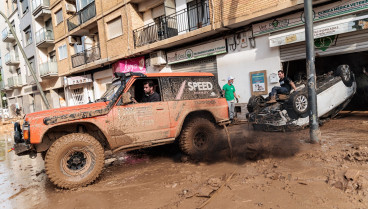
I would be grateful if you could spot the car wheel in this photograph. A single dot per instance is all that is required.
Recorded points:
(254, 103)
(197, 136)
(299, 103)
(74, 160)
(345, 73)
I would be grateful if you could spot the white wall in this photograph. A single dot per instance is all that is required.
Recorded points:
(244, 60)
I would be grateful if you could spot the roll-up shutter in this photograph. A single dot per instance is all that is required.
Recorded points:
(207, 64)
(345, 43)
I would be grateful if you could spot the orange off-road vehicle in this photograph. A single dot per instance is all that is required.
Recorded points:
(73, 140)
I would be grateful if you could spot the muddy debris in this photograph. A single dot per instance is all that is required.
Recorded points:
(359, 153)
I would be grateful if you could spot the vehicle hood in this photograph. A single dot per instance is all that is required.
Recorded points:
(66, 110)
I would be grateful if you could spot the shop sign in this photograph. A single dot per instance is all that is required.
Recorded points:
(136, 64)
(79, 79)
(321, 13)
(325, 30)
(196, 52)
(325, 42)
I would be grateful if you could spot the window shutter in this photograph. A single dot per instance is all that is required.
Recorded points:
(114, 28)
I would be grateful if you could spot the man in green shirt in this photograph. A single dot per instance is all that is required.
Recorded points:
(230, 95)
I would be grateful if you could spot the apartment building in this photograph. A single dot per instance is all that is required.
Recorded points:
(95, 38)
(31, 20)
(89, 40)
(13, 74)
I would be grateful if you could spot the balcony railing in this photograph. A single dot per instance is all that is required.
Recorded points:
(86, 56)
(44, 35)
(11, 58)
(2, 85)
(7, 35)
(48, 69)
(82, 16)
(165, 27)
(39, 4)
(15, 81)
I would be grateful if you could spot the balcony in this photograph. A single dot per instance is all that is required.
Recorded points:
(48, 69)
(11, 59)
(165, 27)
(44, 38)
(7, 36)
(15, 82)
(86, 56)
(41, 9)
(82, 16)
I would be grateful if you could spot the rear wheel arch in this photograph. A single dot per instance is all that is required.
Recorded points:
(191, 115)
(54, 133)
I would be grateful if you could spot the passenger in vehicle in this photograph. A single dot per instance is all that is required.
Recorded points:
(149, 92)
(285, 87)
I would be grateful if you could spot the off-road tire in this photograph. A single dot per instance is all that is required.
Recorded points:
(197, 137)
(346, 75)
(59, 160)
(254, 103)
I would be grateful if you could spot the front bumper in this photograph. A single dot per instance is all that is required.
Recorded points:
(22, 149)
(21, 146)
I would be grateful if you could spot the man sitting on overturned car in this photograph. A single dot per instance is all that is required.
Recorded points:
(149, 93)
(285, 87)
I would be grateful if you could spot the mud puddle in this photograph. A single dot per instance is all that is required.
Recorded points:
(268, 170)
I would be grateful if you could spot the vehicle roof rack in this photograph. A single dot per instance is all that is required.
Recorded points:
(128, 74)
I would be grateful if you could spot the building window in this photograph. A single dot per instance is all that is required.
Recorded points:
(18, 71)
(24, 6)
(28, 35)
(59, 16)
(32, 63)
(62, 52)
(114, 28)
(52, 56)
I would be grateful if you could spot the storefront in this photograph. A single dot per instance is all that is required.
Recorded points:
(200, 58)
(101, 81)
(341, 37)
(79, 89)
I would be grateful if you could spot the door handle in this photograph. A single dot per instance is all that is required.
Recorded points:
(159, 108)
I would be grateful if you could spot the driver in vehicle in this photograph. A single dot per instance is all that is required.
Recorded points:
(285, 87)
(149, 93)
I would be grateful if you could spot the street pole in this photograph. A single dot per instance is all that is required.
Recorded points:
(26, 60)
(1, 106)
(311, 72)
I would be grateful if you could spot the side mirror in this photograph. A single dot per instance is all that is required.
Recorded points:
(126, 98)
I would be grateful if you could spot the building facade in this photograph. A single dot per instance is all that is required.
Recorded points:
(81, 43)
(32, 23)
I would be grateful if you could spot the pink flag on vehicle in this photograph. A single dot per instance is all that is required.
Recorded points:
(136, 64)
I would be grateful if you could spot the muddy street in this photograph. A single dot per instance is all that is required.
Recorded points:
(268, 170)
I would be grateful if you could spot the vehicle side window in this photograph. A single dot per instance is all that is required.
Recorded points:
(139, 93)
(190, 88)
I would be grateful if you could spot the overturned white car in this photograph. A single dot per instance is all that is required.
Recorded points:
(334, 92)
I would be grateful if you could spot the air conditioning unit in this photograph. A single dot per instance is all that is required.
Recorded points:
(74, 40)
(70, 8)
(158, 58)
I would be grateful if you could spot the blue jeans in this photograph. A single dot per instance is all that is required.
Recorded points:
(278, 90)
(231, 105)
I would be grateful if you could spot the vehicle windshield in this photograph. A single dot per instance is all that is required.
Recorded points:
(110, 92)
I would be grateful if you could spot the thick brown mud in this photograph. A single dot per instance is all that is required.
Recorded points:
(268, 170)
